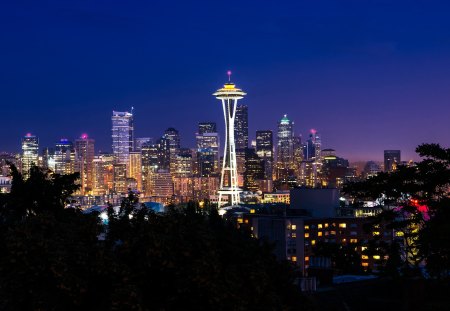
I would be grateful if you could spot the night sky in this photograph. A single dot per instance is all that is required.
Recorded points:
(368, 75)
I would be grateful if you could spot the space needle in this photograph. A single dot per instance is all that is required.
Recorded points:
(229, 95)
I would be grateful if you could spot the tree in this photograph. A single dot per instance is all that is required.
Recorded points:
(41, 192)
(51, 257)
(415, 203)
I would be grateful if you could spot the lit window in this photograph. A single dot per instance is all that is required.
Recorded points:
(399, 233)
(376, 233)
(306, 227)
(313, 242)
(246, 221)
(353, 240)
(333, 232)
(364, 257)
(363, 248)
(344, 240)
(319, 226)
(306, 258)
(252, 211)
(240, 220)
(251, 228)
(319, 233)
(294, 258)
(294, 235)
(306, 235)
(343, 225)
(326, 225)
(294, 227)
(376, 257)
(365, 264)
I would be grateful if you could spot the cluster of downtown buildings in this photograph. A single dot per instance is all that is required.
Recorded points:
(163, 171)
(290, 184)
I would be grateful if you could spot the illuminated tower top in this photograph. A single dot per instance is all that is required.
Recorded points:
(229, 90)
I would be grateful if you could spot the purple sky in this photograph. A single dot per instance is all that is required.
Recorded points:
(368, 75)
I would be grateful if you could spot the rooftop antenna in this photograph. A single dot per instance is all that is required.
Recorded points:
(229, 75)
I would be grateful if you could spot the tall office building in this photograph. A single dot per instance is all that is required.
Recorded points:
(264, 149)
(229, 96)
(312, 159)
(254, 170)
(183, 163)
(392, 158)
(207, 145)
(135, 169)
(171, 140)
(30, 156)
(122, 135)
(64, 157)
(84, 148)
(285, 147)
(241, 127)
(120, 185)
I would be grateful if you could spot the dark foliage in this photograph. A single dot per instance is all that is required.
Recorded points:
(415, 202)
(61, 259)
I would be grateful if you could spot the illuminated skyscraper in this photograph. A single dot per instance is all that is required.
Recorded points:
(207, 145)
(135, 169)
(392, 158)
(84, 148)
(30, 156)
(254, 170)
(285, 147)
(229, 96)
(122, 135)
(264, 149)
(171, 141)
(64, 157)
(241, 127)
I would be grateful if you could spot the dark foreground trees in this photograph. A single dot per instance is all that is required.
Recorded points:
(52, 259)
(415, 203)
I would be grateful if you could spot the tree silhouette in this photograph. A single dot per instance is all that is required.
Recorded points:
(51, 257)
(415, 203)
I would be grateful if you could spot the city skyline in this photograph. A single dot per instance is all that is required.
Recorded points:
(365, 85)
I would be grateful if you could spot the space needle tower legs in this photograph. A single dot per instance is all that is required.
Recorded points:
(229, 96)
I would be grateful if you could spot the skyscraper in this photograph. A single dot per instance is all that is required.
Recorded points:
(207, 145)
(264, 149)
(254, 170)
(229, 96)
(171, 146)
(241, 127)
(135, 169)
(122, 136)
(30, 156)
(392, 158)
(64, 157)
(84, 148)
(285, 147)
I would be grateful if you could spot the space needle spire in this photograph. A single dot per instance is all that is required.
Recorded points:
(229, 96)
